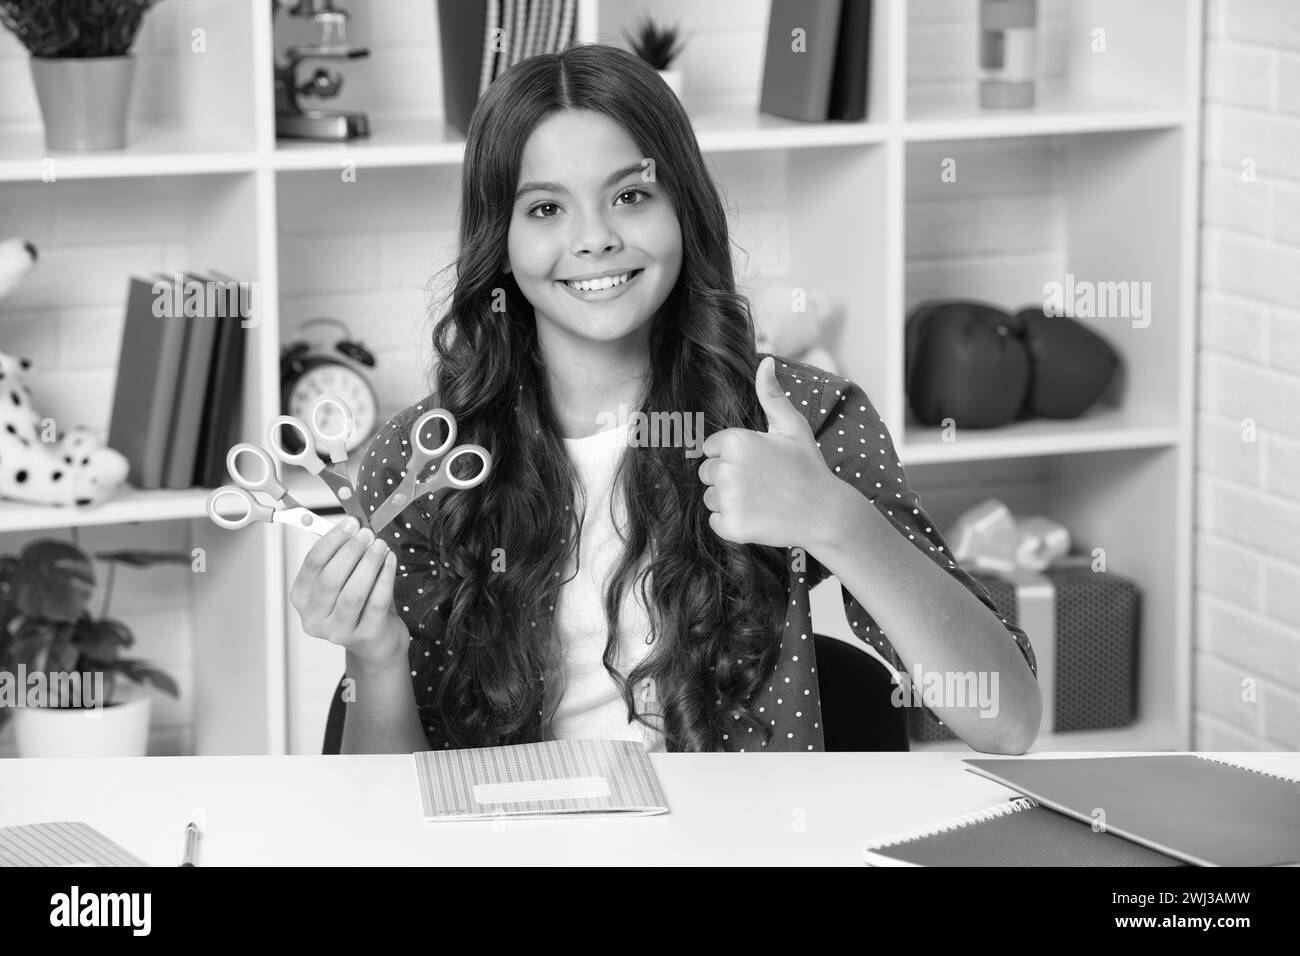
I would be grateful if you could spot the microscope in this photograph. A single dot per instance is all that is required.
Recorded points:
(292, 120)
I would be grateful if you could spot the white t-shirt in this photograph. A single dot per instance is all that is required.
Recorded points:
(590, 704)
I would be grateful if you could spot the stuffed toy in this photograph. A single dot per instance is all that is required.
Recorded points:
(71, 469)
(782, 329)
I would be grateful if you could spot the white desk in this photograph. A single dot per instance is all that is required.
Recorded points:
(746, 809)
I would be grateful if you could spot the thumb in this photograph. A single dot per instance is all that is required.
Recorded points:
(782, 417)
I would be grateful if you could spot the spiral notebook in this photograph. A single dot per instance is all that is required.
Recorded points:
(553, 778)
(1162, 810)
(1200, 809)
(1017, 833)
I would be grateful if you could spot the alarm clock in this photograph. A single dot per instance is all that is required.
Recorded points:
(310, 367)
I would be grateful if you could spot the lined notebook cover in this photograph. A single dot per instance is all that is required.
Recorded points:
(148, 368)
(518, 18)
(548, 779)
(1017, 833)
(64, 843)
(797, 84)
(1197, 808)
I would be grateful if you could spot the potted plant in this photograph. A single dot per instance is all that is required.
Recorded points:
(69, 690)
(81, 65)
(659, 46)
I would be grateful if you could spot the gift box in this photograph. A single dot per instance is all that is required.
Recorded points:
(1083, 623)
(1094, 675)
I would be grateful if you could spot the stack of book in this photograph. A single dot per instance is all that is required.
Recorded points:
(176, 407)
(815, 67)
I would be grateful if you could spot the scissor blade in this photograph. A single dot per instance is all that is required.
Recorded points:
(304, 519)
(397, 502)
(346, 495)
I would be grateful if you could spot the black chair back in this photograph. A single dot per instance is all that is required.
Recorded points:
(858, 712)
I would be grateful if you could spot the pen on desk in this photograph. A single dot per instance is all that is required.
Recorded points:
(191, 844)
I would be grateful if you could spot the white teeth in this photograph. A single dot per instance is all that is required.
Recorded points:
(594, 285)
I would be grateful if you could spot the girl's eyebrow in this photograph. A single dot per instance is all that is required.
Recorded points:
(558, 188)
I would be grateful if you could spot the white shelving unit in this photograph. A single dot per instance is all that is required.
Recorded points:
(1118, 133)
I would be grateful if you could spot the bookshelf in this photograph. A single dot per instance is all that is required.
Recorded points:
(1100, 179)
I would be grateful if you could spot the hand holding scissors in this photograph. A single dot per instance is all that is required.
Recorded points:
(344, 594)
(313, 437)
(409, 488)
(295, 515)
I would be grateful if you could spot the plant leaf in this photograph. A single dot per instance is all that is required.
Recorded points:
(145, 673)
(7, 565)
(75, 28)
(100, 641)
(63, 654)
(53, 580)
(31, 644)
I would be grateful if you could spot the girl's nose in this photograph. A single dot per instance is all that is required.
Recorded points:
(595, 246)
(595, 235)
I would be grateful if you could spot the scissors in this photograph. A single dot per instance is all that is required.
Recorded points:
(312, 436)
(294, 515)
(409, 488)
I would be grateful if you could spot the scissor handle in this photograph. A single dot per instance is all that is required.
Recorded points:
(421, 455)
(307, 458)
(265, 480)
(334, 445)
(444, 478)
(253, 509)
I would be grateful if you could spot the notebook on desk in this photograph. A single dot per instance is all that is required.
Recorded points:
(1017, 833)
(553, 778)
(1199, 809)
(65, 843)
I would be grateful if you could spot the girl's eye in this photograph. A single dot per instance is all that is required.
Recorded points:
(631, 191)
(634, 191)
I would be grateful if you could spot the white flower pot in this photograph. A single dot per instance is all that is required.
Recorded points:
(84, 100)
(674, 79)
(118, 730)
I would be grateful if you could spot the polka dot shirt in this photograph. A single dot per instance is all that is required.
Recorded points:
(855, 445)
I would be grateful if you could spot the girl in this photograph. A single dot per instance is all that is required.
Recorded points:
(602, 582)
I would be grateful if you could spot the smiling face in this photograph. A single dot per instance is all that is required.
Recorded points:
(582, 209)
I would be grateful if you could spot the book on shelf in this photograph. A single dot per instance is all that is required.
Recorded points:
(148, 369)
(224, 402)
(191, 391)
(179, 379)
(481, 40)
(816, 60)
(802, 37)
(848, 96)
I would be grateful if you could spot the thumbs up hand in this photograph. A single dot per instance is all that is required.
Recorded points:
(769, 488)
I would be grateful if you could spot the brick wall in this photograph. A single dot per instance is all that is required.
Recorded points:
(1247, 664)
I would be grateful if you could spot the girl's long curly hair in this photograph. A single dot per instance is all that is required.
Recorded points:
(715, 607)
